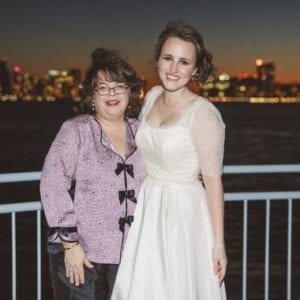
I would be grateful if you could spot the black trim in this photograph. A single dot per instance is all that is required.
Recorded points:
(133, 137)
(125, 195)
(62, 232)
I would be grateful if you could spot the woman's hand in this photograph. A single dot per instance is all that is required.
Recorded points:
(219, 261)
(75, 261)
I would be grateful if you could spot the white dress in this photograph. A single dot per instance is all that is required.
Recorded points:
(168, 253)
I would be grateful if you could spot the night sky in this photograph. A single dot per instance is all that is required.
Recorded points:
(43, 35)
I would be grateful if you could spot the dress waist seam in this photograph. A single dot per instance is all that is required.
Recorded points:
(171, 181)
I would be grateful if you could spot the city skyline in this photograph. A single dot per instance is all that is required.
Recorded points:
(38, 36)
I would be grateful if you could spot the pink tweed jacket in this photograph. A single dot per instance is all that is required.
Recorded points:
(106, 188)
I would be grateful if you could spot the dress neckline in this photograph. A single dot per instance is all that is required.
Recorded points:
(170, 125)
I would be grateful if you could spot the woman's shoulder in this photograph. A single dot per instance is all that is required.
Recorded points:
(84, 118)
(75, 123)
(78, 120)
(133, 124)
(153, 93)
(202, 113)
(133, 121)
(204, 106)
(150, 97)
(154, 89)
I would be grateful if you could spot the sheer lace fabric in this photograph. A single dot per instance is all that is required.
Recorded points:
(207, 129)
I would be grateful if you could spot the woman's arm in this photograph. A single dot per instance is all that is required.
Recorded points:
(215, 202)
(208, 131)
(57, 176)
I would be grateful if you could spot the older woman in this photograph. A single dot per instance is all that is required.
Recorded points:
(94, 155)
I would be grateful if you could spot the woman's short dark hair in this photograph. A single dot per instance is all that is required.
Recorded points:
(113, 68)
(187, 33)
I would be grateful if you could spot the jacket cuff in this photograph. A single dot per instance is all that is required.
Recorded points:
(62, 234)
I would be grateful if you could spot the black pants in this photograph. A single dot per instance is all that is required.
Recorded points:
(98, 283)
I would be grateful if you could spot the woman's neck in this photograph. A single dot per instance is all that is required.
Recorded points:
(171, 98)
(110, 122)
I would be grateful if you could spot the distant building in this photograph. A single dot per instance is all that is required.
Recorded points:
(5, 80)
(266, 77)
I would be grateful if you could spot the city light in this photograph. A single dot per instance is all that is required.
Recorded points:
(16, 69)
(53, 72)
(259, 62)
(224, 76)
(244, 76)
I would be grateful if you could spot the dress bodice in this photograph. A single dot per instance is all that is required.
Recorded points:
(170, 152)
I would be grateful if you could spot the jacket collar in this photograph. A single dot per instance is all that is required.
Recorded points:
(130, 140)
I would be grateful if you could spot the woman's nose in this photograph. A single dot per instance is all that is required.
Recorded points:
(111, 91)
(174, 67)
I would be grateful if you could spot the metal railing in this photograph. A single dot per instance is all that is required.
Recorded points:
(13, 209)
(290, 196)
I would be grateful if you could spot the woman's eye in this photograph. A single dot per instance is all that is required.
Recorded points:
(167, 58)
(184, 62)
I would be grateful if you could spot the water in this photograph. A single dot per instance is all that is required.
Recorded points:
(255, 134)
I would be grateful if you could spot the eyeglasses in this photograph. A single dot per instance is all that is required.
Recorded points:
(103, 89)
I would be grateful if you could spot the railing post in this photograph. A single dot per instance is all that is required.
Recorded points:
(245, 247)
(39, 255)
(13, 255)
(267, 249)
(289, 250)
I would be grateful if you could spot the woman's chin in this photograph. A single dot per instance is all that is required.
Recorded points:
(173, 86)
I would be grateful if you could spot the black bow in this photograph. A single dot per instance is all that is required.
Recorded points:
(127, 220)
(127, 194)
(127, 168)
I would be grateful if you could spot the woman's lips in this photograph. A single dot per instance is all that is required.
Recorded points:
(112, 102)
(172, 77)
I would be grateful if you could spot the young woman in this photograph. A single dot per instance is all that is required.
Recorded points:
(175, 248)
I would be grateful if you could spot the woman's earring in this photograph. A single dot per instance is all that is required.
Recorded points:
(93, 106)
(128, 111)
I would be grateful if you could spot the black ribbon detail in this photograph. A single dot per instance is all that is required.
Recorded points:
(127, 194)
(126, 167)
(127, 220)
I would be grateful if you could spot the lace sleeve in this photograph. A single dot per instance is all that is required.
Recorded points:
(208, 133)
